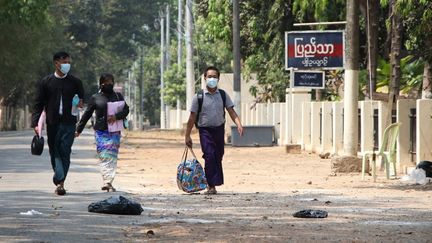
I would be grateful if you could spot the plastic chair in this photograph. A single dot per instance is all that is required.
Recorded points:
(387, 151)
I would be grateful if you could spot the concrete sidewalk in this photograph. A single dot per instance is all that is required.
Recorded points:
(26, 184)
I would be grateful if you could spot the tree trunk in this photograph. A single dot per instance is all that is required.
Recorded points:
(318, 94)
(373, 10)
(162, 71)
(395, 58)
(351, 79)
(237, 56)
(396, 44)
(11, 118)
(190, 69)
(427, 80)
(387, 45)
(427, 75)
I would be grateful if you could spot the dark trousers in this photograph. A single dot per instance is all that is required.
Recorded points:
(60, 140)
(212, 146)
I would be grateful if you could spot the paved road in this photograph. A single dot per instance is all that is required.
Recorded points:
(359, 211)
(26, 184)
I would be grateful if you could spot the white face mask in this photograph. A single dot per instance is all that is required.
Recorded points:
(212, 82)
(65, 67)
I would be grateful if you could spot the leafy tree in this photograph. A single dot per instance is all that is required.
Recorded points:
(267, 60)
(418, 25)
(175, 86)
(212, 48)
(30, 12)
(106, 35)
(411, 73)
(101, 36)
(152, 84)
(26, 26)
(334, 84)
(262, 38)
(319, 10)
(23, 25)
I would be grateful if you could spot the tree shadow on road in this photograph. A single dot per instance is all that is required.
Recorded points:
(400, 186)
(268, 217)
(228, 217)
(63, 218)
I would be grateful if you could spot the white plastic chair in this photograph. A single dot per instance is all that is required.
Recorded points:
(387, 151)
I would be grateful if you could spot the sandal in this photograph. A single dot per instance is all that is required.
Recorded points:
(107, 187)
(211, 191)
(60, 190)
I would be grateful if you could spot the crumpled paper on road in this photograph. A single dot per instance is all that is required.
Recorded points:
(31, 212)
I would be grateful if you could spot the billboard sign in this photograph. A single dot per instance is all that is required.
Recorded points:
(309, 79)
(314, 49)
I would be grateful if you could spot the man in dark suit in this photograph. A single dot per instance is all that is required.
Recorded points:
(59, 94)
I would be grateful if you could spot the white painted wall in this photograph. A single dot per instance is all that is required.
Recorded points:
(307, 114)
(382, 120)
(276, 119)
(315, 126)
(288, 119)
(424, 131)
(337, 117)
(299, 97)
(306, 126)
(326, 127)
(367, 128)
(403, 156)
(283, 127)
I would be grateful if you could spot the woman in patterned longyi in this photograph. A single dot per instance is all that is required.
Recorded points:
(107, 143)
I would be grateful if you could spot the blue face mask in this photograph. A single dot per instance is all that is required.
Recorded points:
(212, 82)
(65, 67)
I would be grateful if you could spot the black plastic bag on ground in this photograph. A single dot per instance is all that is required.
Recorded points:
(116, 205)
(309, 213)
(426, 166)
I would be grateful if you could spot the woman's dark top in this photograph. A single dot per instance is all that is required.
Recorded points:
(98, 102)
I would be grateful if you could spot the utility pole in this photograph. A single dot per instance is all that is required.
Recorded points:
(237, 57)
(162, 103)
(179, 57)
(167, 60)
(127, 85)
(141, 87)
(351, 79)
(129, 95)
(179, 33)
(190, 76)
(135, 99)
(168, 38)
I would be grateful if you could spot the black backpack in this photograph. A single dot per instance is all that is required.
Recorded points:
(200, 96)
